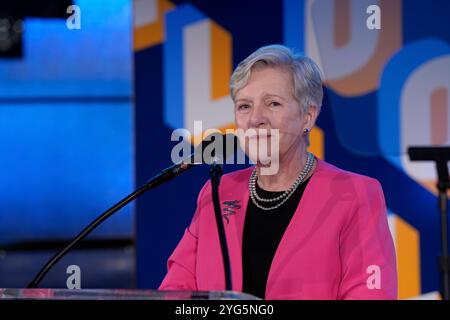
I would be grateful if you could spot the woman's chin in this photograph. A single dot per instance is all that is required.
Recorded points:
(261, 161)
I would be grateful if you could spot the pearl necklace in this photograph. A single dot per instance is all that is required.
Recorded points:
(287, 194)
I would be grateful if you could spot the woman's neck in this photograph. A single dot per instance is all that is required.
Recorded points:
(289, 168)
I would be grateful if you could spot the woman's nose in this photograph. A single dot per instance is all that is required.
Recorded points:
(258, 117)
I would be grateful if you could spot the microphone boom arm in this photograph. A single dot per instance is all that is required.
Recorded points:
(165, 175)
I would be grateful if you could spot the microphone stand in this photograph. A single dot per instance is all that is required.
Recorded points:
(444, 261)
(440, 155)
(165, 175)
(215, 174)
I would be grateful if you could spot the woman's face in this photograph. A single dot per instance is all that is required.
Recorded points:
(267, 102)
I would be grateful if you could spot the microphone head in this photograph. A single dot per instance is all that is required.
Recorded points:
(424, 153)
(216, 147)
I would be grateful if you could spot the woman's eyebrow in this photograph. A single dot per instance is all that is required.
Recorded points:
(264, 96)
(268, 95)
(243, 100)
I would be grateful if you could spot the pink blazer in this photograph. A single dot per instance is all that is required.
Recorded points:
(337, 245)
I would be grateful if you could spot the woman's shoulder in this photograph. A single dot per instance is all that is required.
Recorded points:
(329, 172)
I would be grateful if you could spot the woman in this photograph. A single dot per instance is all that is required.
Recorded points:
(308, 230)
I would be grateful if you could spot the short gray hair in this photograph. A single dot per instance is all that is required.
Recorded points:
(306, 75)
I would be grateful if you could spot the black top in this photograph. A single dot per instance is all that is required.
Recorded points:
(263, 231)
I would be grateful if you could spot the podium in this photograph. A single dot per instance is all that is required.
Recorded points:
(119, 294)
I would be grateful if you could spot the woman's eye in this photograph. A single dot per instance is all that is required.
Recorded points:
(274, 104)
(243, 107)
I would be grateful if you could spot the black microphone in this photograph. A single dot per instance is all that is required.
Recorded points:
(219, 147)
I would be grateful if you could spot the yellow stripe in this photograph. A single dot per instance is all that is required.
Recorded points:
(317, 142)
(152, 34)
(407, 241)
(221, 61)
(147, 36)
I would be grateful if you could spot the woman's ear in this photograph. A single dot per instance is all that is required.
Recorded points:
(311, 117)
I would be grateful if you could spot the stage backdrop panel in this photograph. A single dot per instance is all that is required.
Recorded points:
(386, 89)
